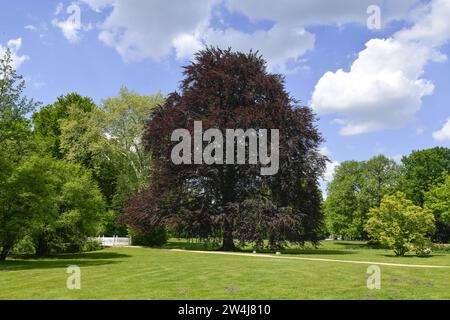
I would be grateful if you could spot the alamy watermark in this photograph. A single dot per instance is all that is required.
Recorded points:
(374, 279)
(374, 20)
(74, 280)
(223, 146)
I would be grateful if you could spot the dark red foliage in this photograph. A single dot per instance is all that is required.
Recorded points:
(228, 90)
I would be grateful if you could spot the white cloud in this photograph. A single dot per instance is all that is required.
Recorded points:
(329, 172)
(157, 29)
(14, 45)
(331, 166)
(59, 8)
(320, 12)
(444, 133)
(153, 29)
(31, 27)
(384, 86)
(294, 41)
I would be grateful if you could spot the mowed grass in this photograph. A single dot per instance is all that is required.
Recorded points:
(142, 273)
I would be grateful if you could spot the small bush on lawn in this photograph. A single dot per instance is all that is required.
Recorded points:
(155, 238)
(92, 245)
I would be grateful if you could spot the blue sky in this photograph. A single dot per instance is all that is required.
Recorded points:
(391, 96)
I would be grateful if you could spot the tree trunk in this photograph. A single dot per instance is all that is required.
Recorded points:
(228, 241)
(42, 249)
(4, 253)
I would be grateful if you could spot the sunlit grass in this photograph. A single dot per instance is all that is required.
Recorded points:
(141, 273)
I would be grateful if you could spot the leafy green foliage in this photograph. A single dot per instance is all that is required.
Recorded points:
(123, 121)
(422, 170)
(357, 187)
(26, 199)
(437, 199)
(400, 225)
(56, 202)
(79, 208)
(47, 121)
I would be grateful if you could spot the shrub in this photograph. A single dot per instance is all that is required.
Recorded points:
(401, 225)
(92, 245)
(155, 238)
(24, 247)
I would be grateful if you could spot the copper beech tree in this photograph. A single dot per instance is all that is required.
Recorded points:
(228, 90)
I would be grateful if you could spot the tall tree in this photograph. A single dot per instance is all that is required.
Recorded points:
(47, 121)
(107, 140)
(123, 120)
(355, 189)
(15, 134)
(25, 199)
(437, 199)
(16, 144)
(228, 90)
(342, 207)
(423, 169)
(380, 176)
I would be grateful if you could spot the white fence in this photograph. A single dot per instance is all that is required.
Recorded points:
(113, 241)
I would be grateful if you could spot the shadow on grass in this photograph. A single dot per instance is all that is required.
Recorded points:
(61, 261)
(409, 256)
(298, 251)
(198, 246)
(186, 245)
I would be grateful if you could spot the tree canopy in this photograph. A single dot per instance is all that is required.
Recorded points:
(229, 90)
(356, 187)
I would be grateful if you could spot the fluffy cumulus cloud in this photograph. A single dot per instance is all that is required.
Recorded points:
(157, 29)
(14, 45)
(153, 29)
(384, 87)
(444, 133)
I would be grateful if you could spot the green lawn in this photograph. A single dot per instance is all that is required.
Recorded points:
(140, 273)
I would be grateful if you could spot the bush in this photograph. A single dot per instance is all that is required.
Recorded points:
(156, 238)
(401, 225)
(92, 245)
(423, 249)
(24, 247)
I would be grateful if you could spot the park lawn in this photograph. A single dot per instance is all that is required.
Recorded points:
(142, 273)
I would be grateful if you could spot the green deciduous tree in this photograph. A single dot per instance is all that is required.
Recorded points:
(437, 199)
(400, 225)
(422, 170)
(15, 134)
(357, 187)
(124, 119)
(79, 208)
(107, 140)
(341, 208)
(56, 202)
(46, 122)
(26, 197)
